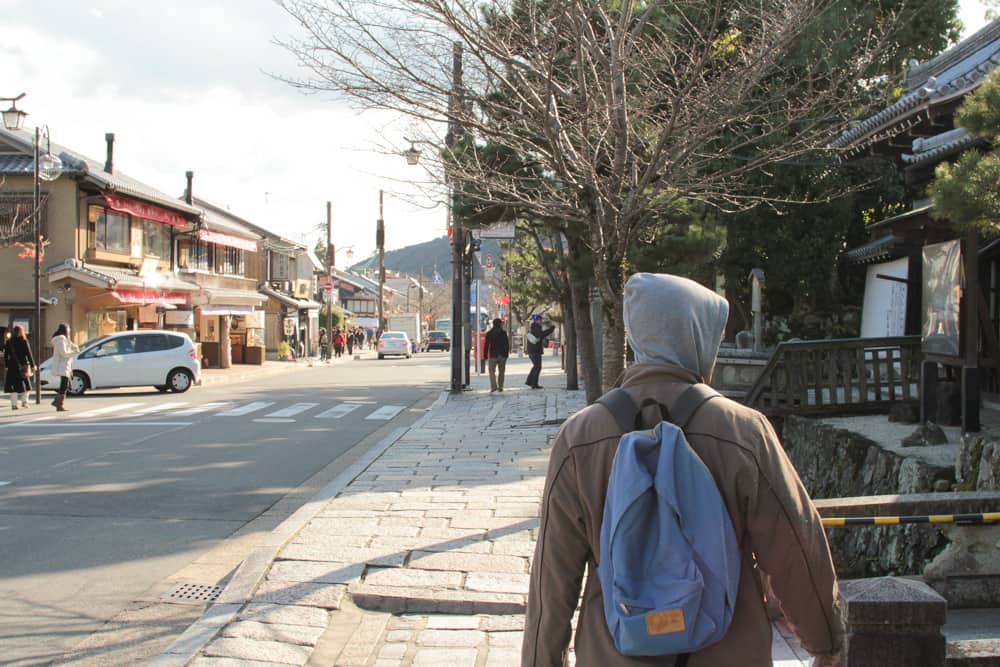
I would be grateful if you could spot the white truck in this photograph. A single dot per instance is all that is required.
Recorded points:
(408, 322)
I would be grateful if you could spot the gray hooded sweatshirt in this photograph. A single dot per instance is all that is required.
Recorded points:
(675, 327)
(661, 330)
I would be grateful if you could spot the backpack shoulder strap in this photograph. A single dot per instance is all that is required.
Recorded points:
(689, 401)
(622, 408)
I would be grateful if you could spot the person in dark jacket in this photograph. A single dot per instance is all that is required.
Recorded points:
(536, 346)
(496, 350)
(19, 363)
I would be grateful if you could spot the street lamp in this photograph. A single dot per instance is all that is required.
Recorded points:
(47, 167)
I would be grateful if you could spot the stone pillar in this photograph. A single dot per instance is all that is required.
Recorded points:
(892, 621)
(225, 351)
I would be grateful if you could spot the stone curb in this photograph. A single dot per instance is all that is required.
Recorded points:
(252, 570)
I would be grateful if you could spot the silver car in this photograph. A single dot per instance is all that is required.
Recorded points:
(394, 342)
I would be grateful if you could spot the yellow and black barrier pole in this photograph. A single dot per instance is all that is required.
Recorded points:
(982, 517)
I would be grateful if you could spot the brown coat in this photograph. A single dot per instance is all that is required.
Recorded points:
(775, 522)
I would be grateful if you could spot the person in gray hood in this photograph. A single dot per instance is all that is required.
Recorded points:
(674, 327)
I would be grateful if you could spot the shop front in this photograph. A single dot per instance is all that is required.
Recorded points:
(295, 321)
(229, 327)
(98, 300)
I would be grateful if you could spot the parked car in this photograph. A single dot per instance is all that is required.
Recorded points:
(438, 340)
(394, 342)
(166, 360)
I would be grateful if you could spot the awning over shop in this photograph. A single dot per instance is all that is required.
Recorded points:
(228, 240)
(149, 297)
(98, 275)
(290, 301)
(226, 310)
(141, 209)
(216, 296)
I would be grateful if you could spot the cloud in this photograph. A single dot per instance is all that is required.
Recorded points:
(180, 85)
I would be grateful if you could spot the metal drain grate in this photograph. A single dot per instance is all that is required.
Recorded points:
(194, 593)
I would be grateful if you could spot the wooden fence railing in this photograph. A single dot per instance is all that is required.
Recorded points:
(838, 376)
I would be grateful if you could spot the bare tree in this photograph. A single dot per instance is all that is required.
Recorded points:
(601, 115)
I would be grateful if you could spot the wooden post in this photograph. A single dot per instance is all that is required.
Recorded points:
(970, 317)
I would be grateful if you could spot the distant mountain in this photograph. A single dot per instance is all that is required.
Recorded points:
(423, 256)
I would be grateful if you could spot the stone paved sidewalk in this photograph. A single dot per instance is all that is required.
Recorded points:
(421, 557)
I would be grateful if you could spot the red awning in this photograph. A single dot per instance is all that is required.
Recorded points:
(149, 297)
(225, 239)
(143, 210)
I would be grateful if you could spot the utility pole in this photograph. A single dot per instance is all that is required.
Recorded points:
(458, 241)
(329, 273)
(380, 243)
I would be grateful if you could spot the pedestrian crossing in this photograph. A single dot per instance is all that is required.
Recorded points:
(256, 411)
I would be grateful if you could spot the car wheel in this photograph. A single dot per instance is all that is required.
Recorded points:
(161, 388)
(381, 356)
(78, 384)
(179, 380)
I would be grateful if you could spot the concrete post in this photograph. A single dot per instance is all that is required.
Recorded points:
(892, 621)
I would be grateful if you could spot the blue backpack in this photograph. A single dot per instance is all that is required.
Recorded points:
(670, 562)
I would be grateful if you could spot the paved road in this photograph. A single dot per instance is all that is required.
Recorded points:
(132, 494)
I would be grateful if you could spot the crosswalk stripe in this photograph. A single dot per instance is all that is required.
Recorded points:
(202, 408)
(103, 411)
(386, 412)
(292, 410)
(246, 409)
(160, 407)
(338, 411)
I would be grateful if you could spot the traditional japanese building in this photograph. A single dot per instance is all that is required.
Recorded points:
(926, 276)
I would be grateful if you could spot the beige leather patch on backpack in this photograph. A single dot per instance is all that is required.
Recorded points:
(666, 621)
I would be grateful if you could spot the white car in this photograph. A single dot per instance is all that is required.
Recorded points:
(166, 360)
(394, 342)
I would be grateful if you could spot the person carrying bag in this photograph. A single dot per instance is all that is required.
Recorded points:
(20, 367)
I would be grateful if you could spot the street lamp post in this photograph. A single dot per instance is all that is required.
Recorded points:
(380, 244)
(46, 168)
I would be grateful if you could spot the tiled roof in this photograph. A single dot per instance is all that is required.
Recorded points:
(17, 164)
(951, 74)
(873, 251)
(93, 171)
(218, 219)
(928, 150)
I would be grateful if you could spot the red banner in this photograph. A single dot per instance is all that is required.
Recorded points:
(144, 210)
(503, 300)
(149, 297)
(225, 239)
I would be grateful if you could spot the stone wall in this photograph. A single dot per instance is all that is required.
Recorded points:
(979, 461)
(836, 463)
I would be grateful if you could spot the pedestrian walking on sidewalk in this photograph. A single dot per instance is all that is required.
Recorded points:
(349, 340)
(536, 346)
(63, 351)
(338, 344)
(675, 326)
(324, 346)
(496, 350)
(20, 367)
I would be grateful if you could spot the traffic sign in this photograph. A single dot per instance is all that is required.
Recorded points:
(488, 261)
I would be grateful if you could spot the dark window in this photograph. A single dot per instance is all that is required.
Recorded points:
(109, 230)
(172, 342)
(230, 260)
(150, 342)
(194, 255)
(155, 239)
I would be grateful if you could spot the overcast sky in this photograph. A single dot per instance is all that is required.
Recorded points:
(182, 86)
(181, 83)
